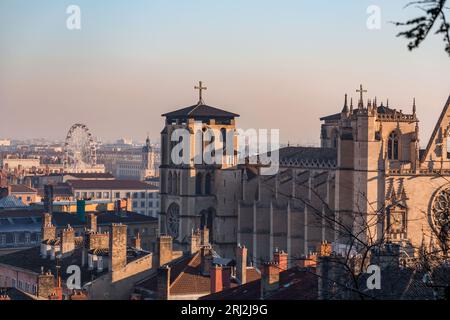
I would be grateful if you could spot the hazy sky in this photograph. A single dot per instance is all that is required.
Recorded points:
(279, 64)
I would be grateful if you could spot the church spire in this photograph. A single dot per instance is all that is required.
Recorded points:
(414, 106)
(345, 109)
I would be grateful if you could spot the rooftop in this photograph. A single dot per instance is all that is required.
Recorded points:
(14, 294)
(110, 184)
(308, 153)
(31, 260)
(200, 111)
(11, 202)
(106, 175)
(295, 284)
(20, 188)
(186, 277)
(31, 219)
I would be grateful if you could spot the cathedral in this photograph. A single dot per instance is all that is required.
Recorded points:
(369, 181)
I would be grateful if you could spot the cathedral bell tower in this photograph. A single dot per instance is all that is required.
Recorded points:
(189, 180)
(148, 159)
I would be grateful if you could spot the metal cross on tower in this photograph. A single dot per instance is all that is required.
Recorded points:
(361, 97)
(200, 89)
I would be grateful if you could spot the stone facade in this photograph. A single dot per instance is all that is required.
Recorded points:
(369, 176)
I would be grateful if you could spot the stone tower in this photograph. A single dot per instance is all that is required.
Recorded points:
(148, 160)
(191, 184)
(372, 140)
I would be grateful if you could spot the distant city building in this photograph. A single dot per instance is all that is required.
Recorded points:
(5, 142)
(139, 168)
(12, 164)
(145, 197)
(131, 163)
(24, 193)
(125, 141)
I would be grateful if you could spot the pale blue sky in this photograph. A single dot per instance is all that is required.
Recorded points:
(280, 64)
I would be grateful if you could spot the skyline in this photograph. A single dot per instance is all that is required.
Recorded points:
(130, 64)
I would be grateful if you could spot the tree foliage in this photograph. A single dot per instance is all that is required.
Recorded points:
(434, 18)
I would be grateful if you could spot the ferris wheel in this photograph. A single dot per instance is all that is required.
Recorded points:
(80, 150)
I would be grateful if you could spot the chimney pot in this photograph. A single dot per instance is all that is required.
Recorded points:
(216, 278)
(270, 278)
(241, 264)
(281, 258)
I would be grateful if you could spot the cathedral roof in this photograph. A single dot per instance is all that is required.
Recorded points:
(308, 153)
(386, 110)
(336, 116)
(200, 111)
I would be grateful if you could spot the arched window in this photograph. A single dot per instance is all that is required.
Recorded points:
(169, 183)
(208, 184)
(223, 133)
(198, 184)
(393, 143)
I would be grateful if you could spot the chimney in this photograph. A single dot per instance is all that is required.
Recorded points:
(67, 241)
(241, 264)
(93, 241)
(281, 258)
(78, 295)
(136, 242)
(58, 292)
(325, 249)
(226, 277)
(309, 261)
(48, 230)
(206, 259)
(195, 240)
(46, 285)
(204, 234)
(216, 278)
(165, 249)
(270, 278)
(92, 222)
(163, 283)
(118, 247)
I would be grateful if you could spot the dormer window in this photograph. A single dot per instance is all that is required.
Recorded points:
(393, 143)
